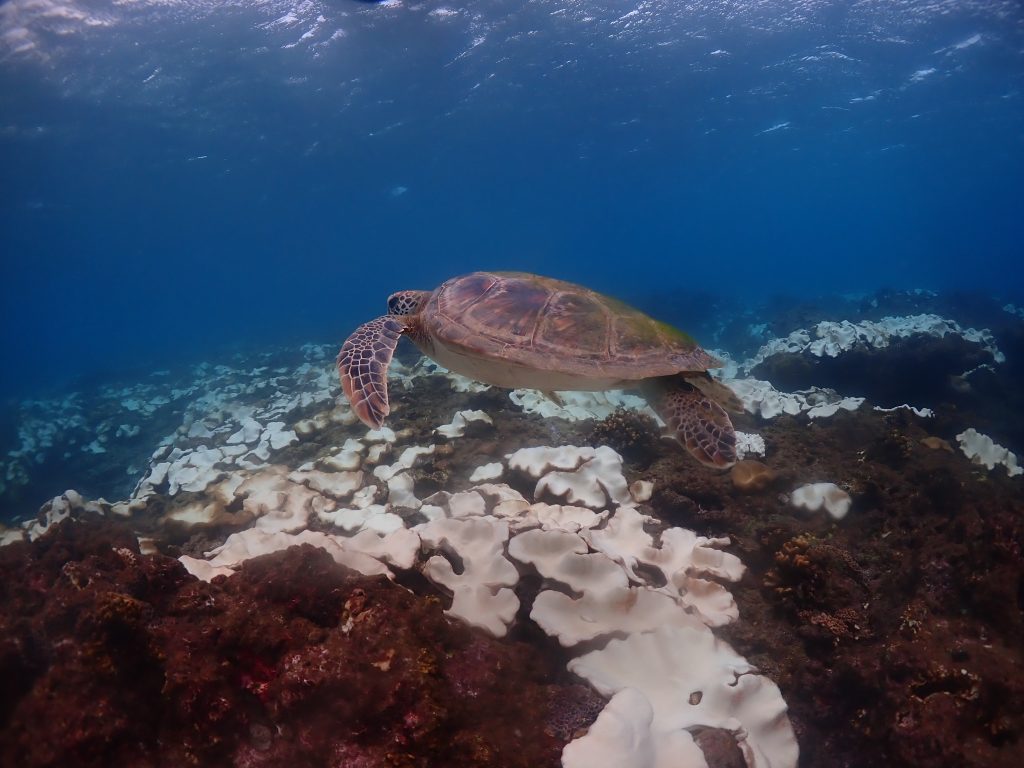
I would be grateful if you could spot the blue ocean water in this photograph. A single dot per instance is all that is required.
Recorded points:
(182, 177)
(201, 199)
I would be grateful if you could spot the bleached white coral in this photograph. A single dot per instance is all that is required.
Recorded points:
(366, 553)
(57, 509)
(490, 471)
(588, 476)
(564, 557)
(762, 399)
(481, 594)
(924, 413)
(575, 620)
(579, 406)
(981, 449)
(691, 679)
(683, 558)
(622, 737)
(406, 460)
(460, 421)
(749, 444)
(830, 339)
(829, 496)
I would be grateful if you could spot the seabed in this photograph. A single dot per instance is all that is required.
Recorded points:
(499, 579)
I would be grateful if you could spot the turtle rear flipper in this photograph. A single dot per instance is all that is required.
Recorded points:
(363, 366)
(697, 421)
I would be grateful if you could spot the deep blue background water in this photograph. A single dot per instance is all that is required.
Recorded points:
(181, 177)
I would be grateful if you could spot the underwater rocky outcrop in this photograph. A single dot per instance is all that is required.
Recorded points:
(111, 657)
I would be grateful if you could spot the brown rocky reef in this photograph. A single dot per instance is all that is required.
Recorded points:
(894, 633)
(109, 657)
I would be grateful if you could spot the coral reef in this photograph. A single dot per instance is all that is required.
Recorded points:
(504, 578)
(631, 433)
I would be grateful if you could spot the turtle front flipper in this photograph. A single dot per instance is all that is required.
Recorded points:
(697, 421)
(363, 366)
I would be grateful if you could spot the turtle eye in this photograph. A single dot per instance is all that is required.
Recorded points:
(401, 303)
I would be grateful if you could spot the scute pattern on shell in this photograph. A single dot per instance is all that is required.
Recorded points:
(529, 320)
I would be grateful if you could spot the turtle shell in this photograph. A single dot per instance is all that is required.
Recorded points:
(547, 324)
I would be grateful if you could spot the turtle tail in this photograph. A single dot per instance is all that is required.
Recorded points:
(695, 419)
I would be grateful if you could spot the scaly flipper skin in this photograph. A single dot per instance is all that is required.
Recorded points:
(698, 422)
(363, 366)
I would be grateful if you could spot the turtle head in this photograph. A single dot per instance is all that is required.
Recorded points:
(407, 302)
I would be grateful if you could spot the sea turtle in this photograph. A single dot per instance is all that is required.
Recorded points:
(512, 329)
